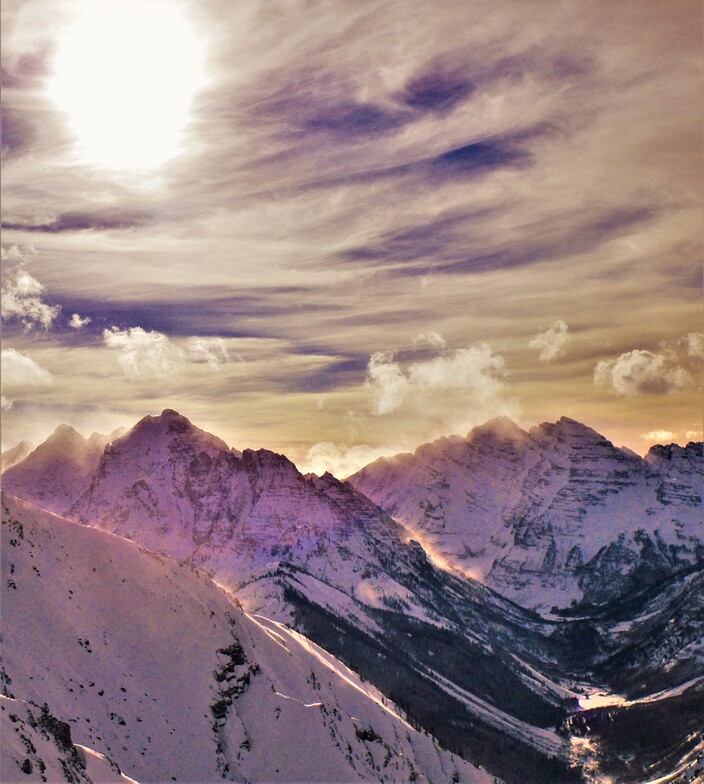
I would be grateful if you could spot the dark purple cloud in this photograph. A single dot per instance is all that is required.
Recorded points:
(350, 119)
(481, 156)
(451, 245)
(17, 133)
(82, 221)
(438, 90)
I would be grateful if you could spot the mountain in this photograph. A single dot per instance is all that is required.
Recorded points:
(486, 676)
(15, 455)
(58, 470)
(550, 517)
(145, 660)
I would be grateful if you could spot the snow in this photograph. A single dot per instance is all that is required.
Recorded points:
(125, 647)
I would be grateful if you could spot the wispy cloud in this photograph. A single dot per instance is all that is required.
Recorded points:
(552, 343)
(19, 373)
(147, 355)
(212, 351)
(660, 436)
(144, 355)
(22, 293)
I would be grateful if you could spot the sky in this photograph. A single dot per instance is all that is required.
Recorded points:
(339, 230)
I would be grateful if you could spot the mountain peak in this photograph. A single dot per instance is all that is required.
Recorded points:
(64, 432)
(501, 426)
(566, 428)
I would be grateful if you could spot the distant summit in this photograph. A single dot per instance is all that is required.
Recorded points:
(57, 471)
(16, 454)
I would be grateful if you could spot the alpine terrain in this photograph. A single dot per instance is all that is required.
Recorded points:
(532, 600)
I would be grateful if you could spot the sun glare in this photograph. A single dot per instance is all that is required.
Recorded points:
(125, 75)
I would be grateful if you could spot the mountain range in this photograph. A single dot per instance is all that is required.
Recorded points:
(489, 587)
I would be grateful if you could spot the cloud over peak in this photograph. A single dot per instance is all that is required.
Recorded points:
(475, 371)
(641, 372)
(144, 355)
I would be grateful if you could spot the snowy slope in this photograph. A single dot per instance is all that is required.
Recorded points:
(550, 516)
(36, 746)
(152, 664)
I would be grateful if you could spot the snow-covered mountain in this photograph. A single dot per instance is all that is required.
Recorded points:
(58, 470)
(486, 676)
(549, 517)
(16, 454)
(145, 660)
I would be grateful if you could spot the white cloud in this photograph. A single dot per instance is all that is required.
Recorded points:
(19, 370)
(642, 372)
(211, 351)
(695, 344)
(341, 461)
(387, 381)
(153, 355)
(553, 342)
(694, 435)
(660, 436)
(144, 355)
(475, 371)
(22, 293)
(434, 339)
(77, 322)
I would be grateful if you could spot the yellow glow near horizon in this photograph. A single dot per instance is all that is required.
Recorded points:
(125, 75)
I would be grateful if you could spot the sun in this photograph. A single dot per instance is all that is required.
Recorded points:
(125, 75)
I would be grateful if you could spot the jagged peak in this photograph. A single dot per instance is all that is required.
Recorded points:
(567, 428)
(167, 426)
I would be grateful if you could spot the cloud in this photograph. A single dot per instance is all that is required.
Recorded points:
(211, 351)
(144, 355)
(22, 293)
(150, 355)
(694, 435)
(641, 372)
(387, 381)
(660, 436)
(434, 339)
(19, 372)
(81, 221)
(475, 371)
(438, 90)
(340, 460)
(695, 344)
(552, 343)
(77, 322)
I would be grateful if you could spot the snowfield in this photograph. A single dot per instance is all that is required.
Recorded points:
(151, 664)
